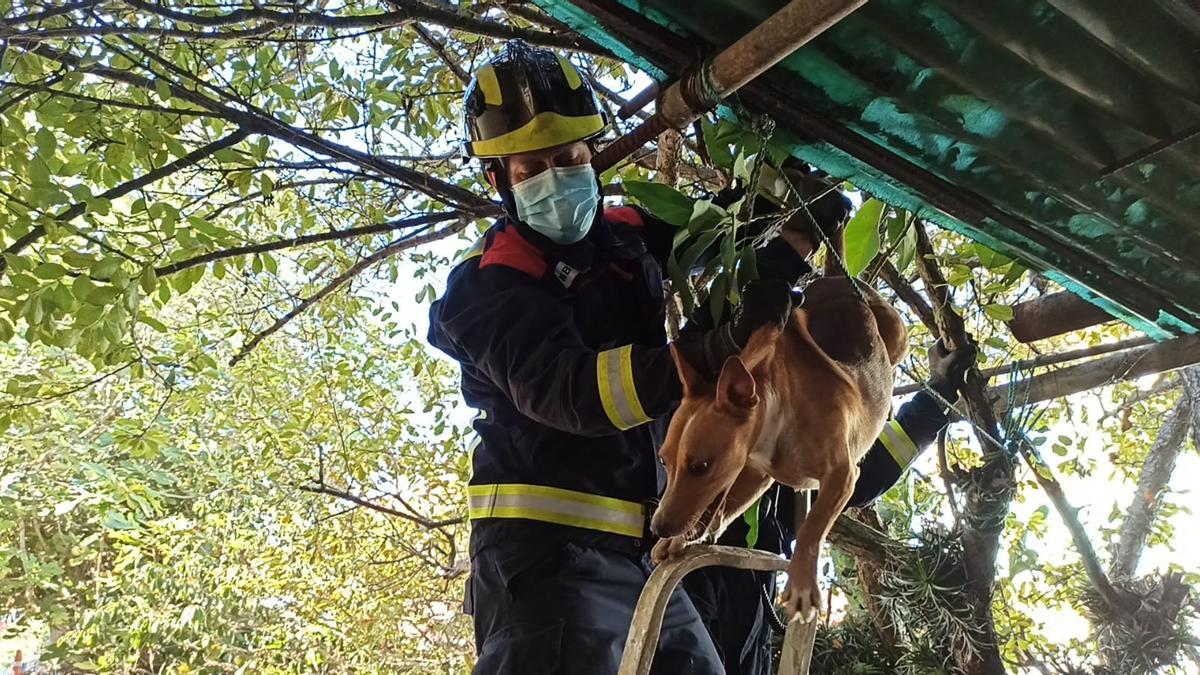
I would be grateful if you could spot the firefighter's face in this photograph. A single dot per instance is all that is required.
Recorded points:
(529, 164)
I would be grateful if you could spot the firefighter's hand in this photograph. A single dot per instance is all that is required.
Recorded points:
(827, 206)
(765, 302)
(948, 369)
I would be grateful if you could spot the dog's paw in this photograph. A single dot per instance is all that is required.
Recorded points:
(667, 548)
(802, 596)
(802, 600)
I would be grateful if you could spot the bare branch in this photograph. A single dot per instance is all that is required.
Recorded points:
(1118, 367)
(1156, 472)
(1118, 599)
(366, 503)
(339, 281)
(1043, 360)
(304, 240)
(440, 49)
(910, 296)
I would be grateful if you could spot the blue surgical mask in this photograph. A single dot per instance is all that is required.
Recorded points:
(559, 203)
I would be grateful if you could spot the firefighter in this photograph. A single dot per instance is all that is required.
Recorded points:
(557, 319)
(736, 605)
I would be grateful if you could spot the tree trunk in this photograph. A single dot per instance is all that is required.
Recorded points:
(1126, 365)
(1156, 473)
(988, 489)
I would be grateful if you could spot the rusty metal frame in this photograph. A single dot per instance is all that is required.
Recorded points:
(675, 54)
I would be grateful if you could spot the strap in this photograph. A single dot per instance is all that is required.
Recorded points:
(556, 505)
(898, 444)
(614, 377)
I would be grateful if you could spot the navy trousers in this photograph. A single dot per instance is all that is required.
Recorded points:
(561, 609)
(730, 604)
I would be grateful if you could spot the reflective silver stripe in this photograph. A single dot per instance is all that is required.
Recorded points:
(898, 444)
(554, 505)
(614, 378)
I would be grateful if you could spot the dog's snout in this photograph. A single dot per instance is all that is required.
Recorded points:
(662, 527)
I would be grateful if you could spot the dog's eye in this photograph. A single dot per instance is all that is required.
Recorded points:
(662, 461)
(697, 468)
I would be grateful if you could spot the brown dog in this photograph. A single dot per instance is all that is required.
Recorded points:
(801, 406)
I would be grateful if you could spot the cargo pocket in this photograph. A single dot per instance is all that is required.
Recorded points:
(522, 649)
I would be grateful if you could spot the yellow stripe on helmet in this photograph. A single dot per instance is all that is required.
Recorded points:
(489, 84)
(569, 72)
(545, 130)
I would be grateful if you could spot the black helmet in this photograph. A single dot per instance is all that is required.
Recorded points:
(526, 99)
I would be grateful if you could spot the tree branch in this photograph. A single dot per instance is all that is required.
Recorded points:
(440, 49)
(304, 240)
(989, 488)
(79, 208)
(905, 291)
(1118, 367)
(339, 281)
(1117, 599)
(428, 523)
(406, 11)
(1156, 472)
(257, 121)
(48, 13)
(1043, 360)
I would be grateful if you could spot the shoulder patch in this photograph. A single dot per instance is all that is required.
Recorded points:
(626, 215)
(510, 249)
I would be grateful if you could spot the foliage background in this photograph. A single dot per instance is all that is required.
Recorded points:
(224, 447)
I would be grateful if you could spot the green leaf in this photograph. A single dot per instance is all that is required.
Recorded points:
(959, 275)
(717, 138)
(687, 261)
(115, 520)
(663, 201)
(862, 236)
(49, 270)
(152, 322)
(989, 258)
(149, 279)
(716, 296)
(105, 268)
(46, 142)
(999, 312)
(163, 89)
(705, 216)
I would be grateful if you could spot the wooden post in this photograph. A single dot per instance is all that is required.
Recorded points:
(647, 617)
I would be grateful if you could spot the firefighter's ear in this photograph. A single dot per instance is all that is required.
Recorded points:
(694, 384)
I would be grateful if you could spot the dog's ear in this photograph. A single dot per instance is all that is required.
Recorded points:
(735, 387)
(694, 384)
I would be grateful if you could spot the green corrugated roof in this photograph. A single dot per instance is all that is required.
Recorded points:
(1024, 124)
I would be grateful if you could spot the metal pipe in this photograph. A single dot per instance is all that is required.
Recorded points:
(771, 41)
(640, 100)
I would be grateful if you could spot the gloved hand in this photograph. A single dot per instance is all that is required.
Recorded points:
(831, 210)
(948, 369)
(765, 302)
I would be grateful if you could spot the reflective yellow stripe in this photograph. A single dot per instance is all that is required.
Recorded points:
(618, 395)
(545, 130)
(489, 84)
(555, 505)
(569, 72)
(611, 503)
(898, 444)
